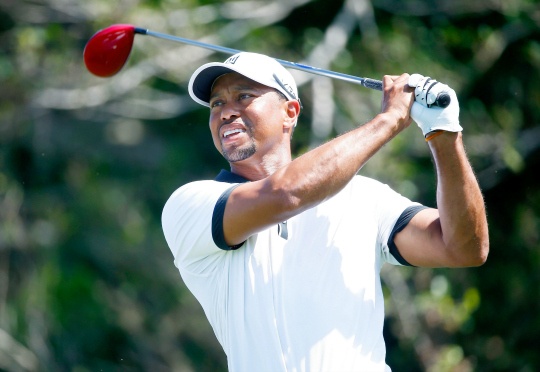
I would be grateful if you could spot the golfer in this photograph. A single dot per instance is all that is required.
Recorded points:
(285, 255)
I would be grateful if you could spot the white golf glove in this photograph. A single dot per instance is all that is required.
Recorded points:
(429, 117)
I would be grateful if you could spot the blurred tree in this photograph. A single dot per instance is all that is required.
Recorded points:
(86, 164)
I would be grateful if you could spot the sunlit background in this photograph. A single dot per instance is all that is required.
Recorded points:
(87, 282)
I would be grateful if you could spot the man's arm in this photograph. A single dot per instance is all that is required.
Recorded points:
(455, 234)
(318, 174)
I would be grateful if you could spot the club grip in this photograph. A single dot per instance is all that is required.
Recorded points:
(442, 101)
(372, 84)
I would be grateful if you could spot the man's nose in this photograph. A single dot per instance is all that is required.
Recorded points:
(229, 110)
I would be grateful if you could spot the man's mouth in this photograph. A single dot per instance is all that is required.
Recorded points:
(232, 132)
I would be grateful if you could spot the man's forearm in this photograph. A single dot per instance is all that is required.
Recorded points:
(460, 202)
(324, 171)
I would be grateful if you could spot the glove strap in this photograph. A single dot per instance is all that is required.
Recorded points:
(433, 134)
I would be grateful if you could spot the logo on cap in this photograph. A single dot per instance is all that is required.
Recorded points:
(231, 60)
(287, 87)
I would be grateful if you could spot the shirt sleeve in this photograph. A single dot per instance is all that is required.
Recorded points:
(400, 224)
(217, 221)
(187, 224)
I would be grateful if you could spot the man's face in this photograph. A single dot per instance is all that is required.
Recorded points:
(245, 117)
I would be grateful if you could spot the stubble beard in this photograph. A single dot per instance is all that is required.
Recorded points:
(240, 153)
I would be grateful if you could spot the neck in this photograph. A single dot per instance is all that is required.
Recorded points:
(256, 168)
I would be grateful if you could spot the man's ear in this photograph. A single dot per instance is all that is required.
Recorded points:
(293, 111)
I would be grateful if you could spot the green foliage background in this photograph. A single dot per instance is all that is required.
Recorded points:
(87, 282)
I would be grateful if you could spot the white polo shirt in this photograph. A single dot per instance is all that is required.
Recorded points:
(310, 302)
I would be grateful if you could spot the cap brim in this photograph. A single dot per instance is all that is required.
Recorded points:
(201, 83)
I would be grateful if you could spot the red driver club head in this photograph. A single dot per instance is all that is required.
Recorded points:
(107, 51)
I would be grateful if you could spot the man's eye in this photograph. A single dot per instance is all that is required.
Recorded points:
(215, 104)
(244, 96)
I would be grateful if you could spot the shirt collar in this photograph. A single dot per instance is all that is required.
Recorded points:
(229, 177)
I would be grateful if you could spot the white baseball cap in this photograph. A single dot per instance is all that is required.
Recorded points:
(257, 67)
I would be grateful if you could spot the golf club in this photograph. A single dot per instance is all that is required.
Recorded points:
(108, 50)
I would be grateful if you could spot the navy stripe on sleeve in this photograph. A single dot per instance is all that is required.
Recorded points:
(402, 221)
(217, 221)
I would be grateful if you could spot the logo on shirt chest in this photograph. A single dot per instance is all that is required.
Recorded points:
(283, 231)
